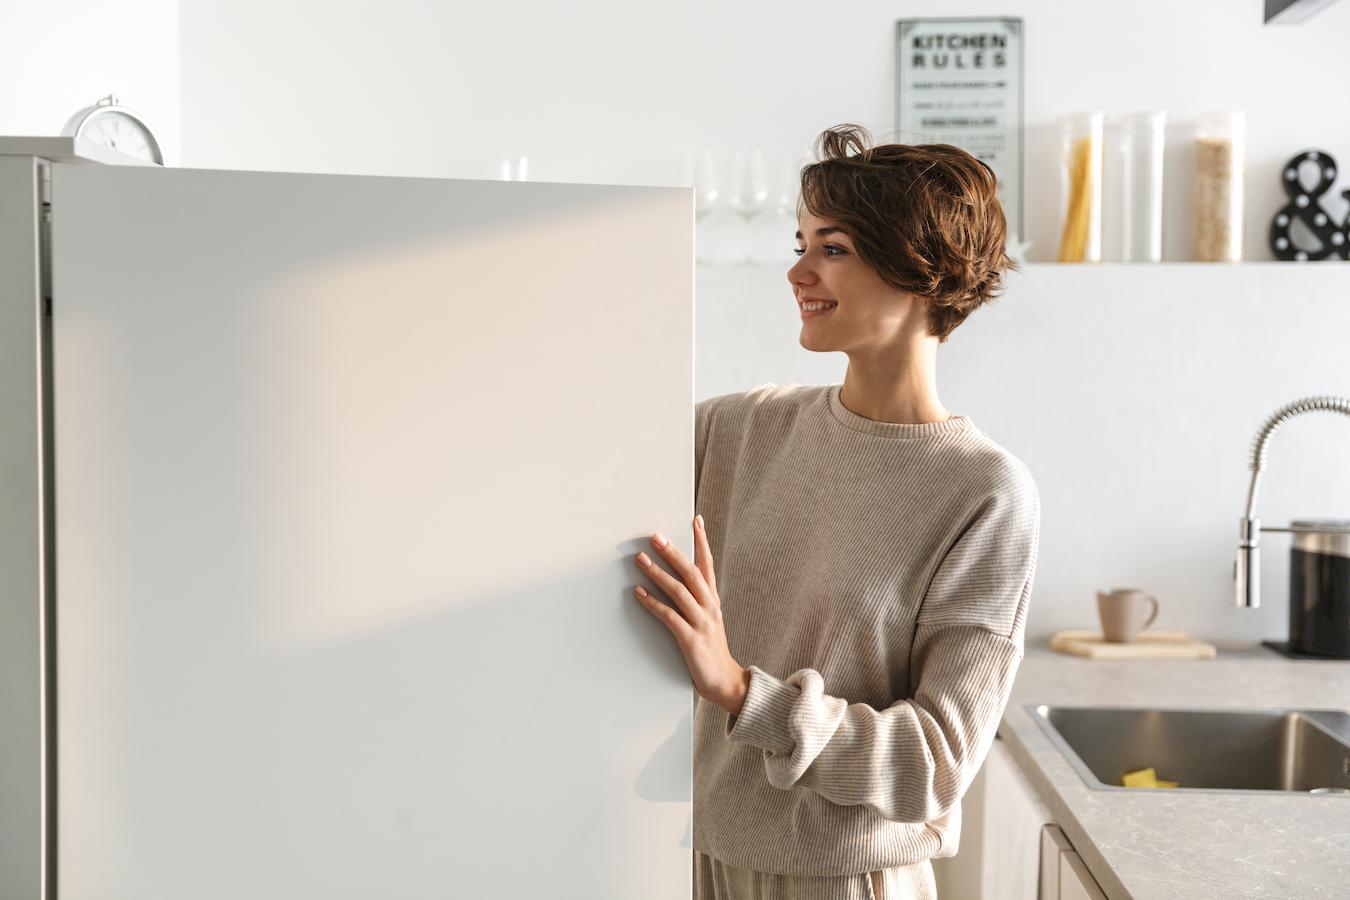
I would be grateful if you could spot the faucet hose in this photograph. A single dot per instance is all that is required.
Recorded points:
(1247, 566)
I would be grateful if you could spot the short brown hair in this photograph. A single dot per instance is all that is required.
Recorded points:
(926, 217)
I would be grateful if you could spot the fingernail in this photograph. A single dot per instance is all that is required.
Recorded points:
(659, 539)
(698, 522)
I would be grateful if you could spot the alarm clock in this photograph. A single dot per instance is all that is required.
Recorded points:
(109, 125)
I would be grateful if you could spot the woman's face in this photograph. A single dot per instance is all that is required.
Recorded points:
(869, 315)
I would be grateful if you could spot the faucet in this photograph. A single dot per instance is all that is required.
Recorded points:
(1247, 568)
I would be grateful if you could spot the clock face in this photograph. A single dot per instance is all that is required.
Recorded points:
(123, 134)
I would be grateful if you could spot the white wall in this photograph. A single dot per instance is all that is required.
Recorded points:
(613, 92)
(59, 56)
(608, 91)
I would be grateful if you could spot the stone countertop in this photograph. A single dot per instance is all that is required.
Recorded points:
(1163, 844)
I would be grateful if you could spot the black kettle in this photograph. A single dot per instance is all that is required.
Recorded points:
(1319, 588)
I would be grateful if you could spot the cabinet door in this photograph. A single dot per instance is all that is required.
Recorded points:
(350, 474)
(1001, 820)
(1013, 818)
(1053, 846)
(1064, 875)
(1075, 881)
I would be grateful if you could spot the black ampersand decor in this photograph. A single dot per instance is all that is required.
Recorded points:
(1334, 239)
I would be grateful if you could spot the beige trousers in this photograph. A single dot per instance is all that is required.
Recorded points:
(715, 880)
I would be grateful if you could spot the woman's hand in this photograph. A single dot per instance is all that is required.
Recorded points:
(697, 625)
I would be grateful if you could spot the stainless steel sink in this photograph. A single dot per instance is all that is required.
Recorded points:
(1293, 750)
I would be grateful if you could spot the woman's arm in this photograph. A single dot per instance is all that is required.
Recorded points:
(912, 761)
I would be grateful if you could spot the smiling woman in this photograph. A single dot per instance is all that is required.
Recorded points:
(855, 615)
(926, 219)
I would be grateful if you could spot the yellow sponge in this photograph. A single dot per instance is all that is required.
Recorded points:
(1140, 778)
(1146, 778)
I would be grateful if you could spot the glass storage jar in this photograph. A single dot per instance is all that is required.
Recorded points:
(1081, 187)
(1220, 152)
(1133, 187)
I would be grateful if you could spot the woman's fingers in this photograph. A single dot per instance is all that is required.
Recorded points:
(695, 588)
(692, 575)
(671, 619)
(695, 620)
(671, 587)
(703, 553)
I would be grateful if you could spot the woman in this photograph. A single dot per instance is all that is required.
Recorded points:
(874, 553)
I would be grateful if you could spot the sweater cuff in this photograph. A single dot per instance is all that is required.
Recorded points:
(763, 720)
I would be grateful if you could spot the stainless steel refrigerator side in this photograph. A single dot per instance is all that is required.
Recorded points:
(24, 536)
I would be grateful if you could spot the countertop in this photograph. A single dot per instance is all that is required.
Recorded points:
(1162, 844)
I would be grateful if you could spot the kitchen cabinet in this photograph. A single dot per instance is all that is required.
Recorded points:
(1011, 849)
(1001, 822)
(1064, 875)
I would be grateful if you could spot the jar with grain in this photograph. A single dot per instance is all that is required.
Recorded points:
(1220, 153)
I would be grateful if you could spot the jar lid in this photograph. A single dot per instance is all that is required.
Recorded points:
(1324, 536)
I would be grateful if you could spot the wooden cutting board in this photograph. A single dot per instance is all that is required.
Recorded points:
(1149, 645)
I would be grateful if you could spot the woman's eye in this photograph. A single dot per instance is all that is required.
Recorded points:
(828, 247)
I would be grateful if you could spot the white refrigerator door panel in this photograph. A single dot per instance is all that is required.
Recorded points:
(350, 473)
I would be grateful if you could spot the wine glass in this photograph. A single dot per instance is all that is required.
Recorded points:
(787, 182)
(748, 194)
(701, 174)
(505, 169)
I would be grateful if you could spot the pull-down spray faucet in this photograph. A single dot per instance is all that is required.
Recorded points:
(1247, 568)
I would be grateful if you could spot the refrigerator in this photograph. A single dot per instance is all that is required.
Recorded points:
(321, 499)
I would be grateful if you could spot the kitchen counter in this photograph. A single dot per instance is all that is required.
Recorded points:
(1163, 844)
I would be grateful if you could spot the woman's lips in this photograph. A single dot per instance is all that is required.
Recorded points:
(812, 313)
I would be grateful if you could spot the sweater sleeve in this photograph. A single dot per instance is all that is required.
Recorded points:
(913, 761)
(702, 422)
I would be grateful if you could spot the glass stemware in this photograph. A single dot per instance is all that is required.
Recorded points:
(777, 238)
(701, 173)
(748, 196)
(506, 165)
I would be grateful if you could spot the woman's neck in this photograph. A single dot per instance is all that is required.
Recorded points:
(904, 393)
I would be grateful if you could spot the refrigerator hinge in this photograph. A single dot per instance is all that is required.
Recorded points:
(45, 235)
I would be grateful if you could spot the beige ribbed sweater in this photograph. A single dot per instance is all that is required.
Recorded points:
(874, 580)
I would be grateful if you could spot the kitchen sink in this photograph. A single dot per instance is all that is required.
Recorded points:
(1205, 749)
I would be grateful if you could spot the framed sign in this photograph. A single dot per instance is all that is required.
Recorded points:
(959, 81)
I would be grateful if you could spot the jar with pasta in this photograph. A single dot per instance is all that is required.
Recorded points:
(1080, 232)
(1220, 152)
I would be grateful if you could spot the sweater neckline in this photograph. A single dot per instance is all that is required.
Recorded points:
(850, 419)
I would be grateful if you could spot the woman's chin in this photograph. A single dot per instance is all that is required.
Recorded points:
(814, 342)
